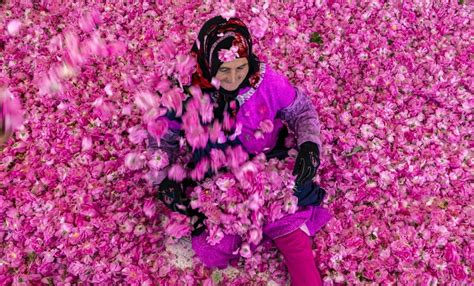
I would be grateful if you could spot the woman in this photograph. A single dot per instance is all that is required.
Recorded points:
(249, 93)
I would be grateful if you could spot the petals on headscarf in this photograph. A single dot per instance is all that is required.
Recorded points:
(215, 31)
(228, 55)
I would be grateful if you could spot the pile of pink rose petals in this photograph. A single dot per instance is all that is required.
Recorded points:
(243, 200)
(392, 83)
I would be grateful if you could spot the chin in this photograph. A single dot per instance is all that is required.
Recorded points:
(230, 88)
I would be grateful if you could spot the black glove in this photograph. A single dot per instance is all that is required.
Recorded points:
(309, 194)
(198, 226)
(307, 162)
(171, 193)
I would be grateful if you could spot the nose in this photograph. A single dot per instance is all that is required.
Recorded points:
(233, 77)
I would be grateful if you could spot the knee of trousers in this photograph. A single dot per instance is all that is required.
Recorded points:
(217, 255)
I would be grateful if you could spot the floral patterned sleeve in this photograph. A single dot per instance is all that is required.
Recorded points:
(169, 143)
(303, 120)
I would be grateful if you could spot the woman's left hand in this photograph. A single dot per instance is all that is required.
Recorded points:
(307, 162)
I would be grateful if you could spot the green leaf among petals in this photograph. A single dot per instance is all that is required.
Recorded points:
(316, 38)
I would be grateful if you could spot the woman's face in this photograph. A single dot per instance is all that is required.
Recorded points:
(232, 74)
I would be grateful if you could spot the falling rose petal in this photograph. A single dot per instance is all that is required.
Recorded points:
(157, 128)
(228, 121)
(196, 92)
(177, 172)
(134, 161)
(11, 110)
(55, 44)
(216, 83)
(206, 111)
(163, 85)
(255, 202)
(178, 225)
(96, 16)
(86, 22)
(66, 71)
(94, 46)
(13, 27)
(215, 131)
(244, 178)
(149, 208)
(200, 170)
(266, 126)
(173, 100)
(221, 139)
(290, 141)
(145, 100)
(198, 44)
(236, 156)
(74, 54)
(50, 85)
(237, 132)
(136, 134)
(185, 65)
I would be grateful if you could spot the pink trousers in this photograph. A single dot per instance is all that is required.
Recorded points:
(293, 243)
(296, 248)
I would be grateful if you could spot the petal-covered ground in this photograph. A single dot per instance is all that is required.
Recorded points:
(392, 82)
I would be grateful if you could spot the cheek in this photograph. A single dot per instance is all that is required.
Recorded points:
(220, 76)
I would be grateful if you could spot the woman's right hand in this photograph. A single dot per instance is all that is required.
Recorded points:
(171, 194)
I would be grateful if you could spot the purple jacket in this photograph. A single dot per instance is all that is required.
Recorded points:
(275, 99)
